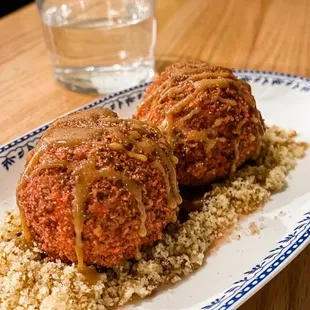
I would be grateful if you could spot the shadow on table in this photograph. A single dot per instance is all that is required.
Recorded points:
(12, 5)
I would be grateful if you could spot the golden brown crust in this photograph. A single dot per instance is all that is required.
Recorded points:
(210, 116)
(182, 250)
(112, 218)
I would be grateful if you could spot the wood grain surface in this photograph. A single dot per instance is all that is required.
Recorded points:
(257, 34)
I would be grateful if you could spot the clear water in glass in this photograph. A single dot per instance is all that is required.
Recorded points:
(98, 45)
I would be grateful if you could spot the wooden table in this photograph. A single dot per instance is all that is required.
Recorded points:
(258, 34)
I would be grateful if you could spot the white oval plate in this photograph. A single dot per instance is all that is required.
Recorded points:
(239, 268)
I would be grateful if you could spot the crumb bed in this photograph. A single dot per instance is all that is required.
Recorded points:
(29, 282)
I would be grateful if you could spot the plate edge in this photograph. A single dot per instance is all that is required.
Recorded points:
(99, 100)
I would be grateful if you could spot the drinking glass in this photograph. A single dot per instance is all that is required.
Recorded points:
(100, 45)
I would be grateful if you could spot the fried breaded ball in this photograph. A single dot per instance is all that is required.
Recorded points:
(209, 117)
(96, 188)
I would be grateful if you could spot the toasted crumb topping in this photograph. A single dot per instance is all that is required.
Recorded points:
(254, 229)
(28, 281)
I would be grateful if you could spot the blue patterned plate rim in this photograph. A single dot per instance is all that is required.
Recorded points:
(41, 128)
(288, 248)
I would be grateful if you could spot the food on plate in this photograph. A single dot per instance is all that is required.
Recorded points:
(208, 115)
(182, 250)
(102, 191)
(96, 188)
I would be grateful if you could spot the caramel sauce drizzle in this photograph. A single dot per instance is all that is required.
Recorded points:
(85, 173)
(236, 147)
(188, 116)
(147, 146)
(155, 94)
(171, 201)
(201, 81)
(172, 173)
(25, 229)
(199, 135)
(227, 101)
(150, 146)
(120, 147)
(116, 146)
(137, 156)
(209, 75)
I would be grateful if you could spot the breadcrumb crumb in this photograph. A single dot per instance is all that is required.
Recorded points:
(254, 230)
(29, 282)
